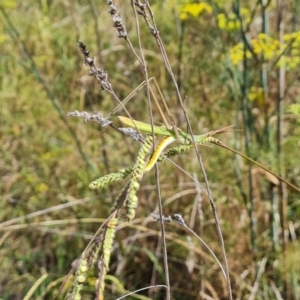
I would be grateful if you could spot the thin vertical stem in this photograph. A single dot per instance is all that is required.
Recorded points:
(247, 128)
(280, 130)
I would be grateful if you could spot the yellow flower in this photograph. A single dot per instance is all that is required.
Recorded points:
(298, 36)
(222, 22)
(230, 25)
(207, 8)
(266, 46)
(195, 9)
(183, 16)
(236, 54)
(292, 62)
(256, 46)
(287, 37)
(229, 22)
(295, 44)
(245, 12)
(262, 36)
(269, 54)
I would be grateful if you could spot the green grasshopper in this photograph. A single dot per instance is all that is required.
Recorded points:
(171, 136)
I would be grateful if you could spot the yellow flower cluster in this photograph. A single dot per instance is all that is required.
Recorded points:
(266, 46)
(230, 22)
(293, 37)
(287, 54)
(289, 62)
(291, 41)
(236, 53)
(194, 10)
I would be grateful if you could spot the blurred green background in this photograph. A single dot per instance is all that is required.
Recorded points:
(236, 61)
